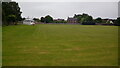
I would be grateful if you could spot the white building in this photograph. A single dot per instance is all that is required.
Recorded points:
(28, 21)
(109, 21)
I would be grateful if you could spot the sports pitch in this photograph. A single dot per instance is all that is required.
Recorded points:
(60, 45)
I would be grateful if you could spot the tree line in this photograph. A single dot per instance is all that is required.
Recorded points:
(11, 15)
(81, 18)
(87, 19)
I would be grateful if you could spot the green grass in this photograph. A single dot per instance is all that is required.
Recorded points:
(0, 46)
(60, 45)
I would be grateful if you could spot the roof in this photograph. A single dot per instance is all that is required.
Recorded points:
(29, 19)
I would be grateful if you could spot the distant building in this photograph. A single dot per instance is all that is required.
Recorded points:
(72, 20)
(110, 21)
(58, 19)
(28, 21)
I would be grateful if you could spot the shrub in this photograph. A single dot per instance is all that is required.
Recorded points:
(88, 23)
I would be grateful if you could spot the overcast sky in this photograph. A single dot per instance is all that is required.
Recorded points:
(65, 9)
(66, 0)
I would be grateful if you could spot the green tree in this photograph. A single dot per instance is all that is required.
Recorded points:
(42, 19)
(11, 19)
(98, 20)
(89, 18)
(36, 19)
(79, 17)
(83, 18)
(10, 10)
(117, 22)
(48, 19)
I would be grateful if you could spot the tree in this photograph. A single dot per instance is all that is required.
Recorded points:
(10, 10)
(83, 18)
(42, 19)
(36, 19)
(48, 19)
(79, 17)
(23, 19)
(98, 20)
(117, 22)
(11, 19)
(89, 18)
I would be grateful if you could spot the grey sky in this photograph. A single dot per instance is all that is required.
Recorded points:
(65, 9)
(66, 0)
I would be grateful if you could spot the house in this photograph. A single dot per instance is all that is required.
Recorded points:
(109, 21)
(72, 20)
(28, 21)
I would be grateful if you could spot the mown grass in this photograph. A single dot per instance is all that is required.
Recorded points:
(60, 45)
(0, 46)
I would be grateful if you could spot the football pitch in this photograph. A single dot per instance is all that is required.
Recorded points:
(60, 45)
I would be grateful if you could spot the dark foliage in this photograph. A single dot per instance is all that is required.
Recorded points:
(36, 19)
(11, 13)
(47, 19)
(83, 18)
(59, 21)
(42, 19)
(117, 22)
(98, 20)
(88, 23)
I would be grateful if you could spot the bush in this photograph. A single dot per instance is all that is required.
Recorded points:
(88, 23)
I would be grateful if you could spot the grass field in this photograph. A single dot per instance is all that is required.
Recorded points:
(60, 45)
(0, 46)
